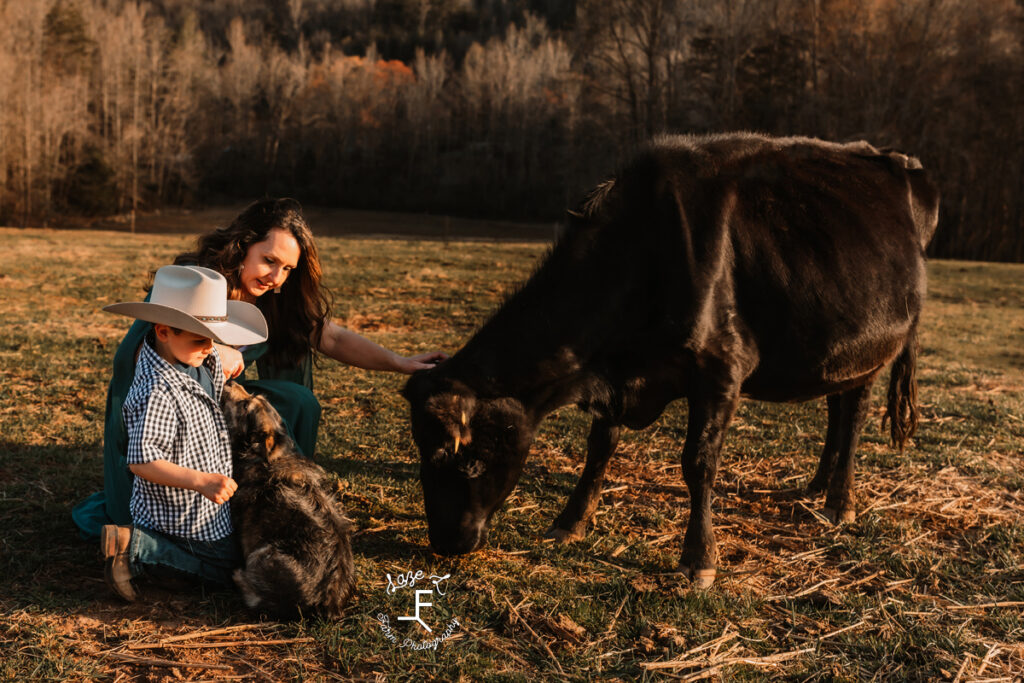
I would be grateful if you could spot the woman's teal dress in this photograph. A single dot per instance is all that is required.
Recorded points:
(290, 391)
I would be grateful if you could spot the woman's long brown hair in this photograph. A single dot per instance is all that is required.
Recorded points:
(296, 316)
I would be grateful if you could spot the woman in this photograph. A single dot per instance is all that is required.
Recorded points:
(269, 259)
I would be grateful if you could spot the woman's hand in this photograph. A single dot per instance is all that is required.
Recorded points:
(423, 361)
(231, 361)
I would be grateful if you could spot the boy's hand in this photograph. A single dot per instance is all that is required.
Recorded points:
(218, 488)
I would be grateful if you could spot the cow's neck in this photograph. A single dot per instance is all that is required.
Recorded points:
(541, 346)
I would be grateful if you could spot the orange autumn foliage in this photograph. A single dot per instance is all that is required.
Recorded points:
(393, 72)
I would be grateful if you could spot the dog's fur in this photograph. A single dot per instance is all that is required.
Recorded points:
(294, 535)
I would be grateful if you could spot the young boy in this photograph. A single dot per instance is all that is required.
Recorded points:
(178, 446)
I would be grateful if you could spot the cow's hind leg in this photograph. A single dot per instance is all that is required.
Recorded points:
(708, 419)
(839, 503)
(571, 524)
(830, 452)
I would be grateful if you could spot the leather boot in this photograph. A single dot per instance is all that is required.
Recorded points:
(114, 541)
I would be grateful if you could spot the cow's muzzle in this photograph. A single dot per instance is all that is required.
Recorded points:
(469, 538)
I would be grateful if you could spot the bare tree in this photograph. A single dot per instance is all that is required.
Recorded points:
(510, 89)
(425, 105)
(240, 76)
(281, 78)
(633, 50)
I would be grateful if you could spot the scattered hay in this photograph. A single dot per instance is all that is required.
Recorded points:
(926, 584)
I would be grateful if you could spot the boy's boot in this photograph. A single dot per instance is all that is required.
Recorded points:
(114, 540)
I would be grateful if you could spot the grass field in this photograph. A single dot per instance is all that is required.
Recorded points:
(927, 584)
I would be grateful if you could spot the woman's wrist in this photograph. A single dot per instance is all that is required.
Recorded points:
(398, 363)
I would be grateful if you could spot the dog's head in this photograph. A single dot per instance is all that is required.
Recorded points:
(254, 426)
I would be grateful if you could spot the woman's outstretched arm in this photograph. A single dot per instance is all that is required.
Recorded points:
(348, 347)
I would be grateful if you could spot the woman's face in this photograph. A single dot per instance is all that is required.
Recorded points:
(268, 263)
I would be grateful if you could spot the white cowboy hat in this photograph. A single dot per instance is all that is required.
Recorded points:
(195, 299)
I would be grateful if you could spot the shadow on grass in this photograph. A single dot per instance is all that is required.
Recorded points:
(42, 557)
(387, 545)
(1011, 358)
(45, 564)
(351, 468)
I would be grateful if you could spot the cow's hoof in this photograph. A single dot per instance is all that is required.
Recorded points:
(844, 516)
(562, 536)
(700, 578)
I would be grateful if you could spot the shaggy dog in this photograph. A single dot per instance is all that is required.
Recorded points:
(293, 532)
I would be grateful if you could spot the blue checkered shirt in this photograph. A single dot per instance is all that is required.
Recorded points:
(170, 417)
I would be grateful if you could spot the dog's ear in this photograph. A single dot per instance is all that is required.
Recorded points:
(266, 444)
(266, 425)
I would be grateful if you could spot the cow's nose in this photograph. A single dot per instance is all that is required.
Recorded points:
(466, 541)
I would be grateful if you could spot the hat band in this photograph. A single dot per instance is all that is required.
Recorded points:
(211, 318)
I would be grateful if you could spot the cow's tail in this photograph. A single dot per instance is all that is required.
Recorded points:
(901, 409)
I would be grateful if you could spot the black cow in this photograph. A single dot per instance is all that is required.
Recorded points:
(710, 268)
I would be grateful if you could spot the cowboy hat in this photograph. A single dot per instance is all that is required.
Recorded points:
(195, 299)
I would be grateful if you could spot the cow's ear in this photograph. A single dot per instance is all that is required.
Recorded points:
(415, 387)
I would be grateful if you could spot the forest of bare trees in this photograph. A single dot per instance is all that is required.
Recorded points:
(507, 108)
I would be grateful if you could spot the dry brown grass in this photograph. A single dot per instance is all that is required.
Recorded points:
(927, 584)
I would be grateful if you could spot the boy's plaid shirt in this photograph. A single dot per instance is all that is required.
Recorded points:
(170, 417)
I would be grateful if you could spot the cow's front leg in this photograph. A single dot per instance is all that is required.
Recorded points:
(839, 503)
(831, 450)
(571, 524)
(708, 419)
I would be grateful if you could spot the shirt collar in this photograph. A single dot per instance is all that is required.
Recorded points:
(160, 367)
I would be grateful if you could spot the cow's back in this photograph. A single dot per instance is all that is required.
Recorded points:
(814, 250)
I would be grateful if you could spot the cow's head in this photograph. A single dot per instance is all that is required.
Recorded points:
(472, 451)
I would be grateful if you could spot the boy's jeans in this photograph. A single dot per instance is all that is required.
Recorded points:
(153, 554)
